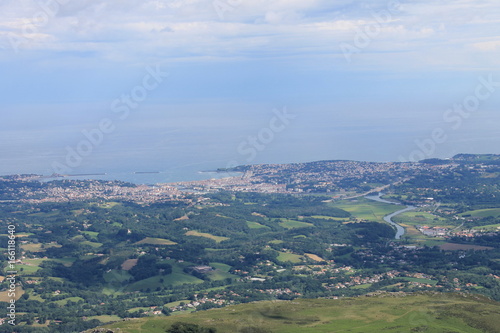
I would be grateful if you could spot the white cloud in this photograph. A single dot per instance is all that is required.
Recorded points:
(487, 46)
(127, 30)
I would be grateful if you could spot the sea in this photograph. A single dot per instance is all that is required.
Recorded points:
(166, 146)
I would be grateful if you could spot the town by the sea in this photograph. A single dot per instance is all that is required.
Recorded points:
(146, 177)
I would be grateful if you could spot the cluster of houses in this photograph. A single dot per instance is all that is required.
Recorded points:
(432, 231)
(446, 232)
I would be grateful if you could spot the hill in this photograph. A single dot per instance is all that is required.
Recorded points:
(386, 312)
(478, 158)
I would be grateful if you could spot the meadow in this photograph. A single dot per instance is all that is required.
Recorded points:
(217, 239)
(421, 218)
(365, 209)
(293, 258)
(480, 213)
(155, 241)
(292, 224)
(391, 312)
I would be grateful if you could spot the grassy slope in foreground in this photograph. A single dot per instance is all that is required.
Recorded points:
(430, 312)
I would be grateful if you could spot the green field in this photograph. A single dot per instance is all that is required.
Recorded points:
(31, 266)
(292, 224)
(491, 227)
(221, 272)
(36, 297)
(480, 213)
(420, 218)
(35, 262)
(63, 302)
(32, 247)
(156, 241)
(92, 244)
(432, 313)
(105, 318)
(341, 219)
(366, 209)
(432, 242)
(217, 239)
(27, 270)
(362, 286)
(255, 225)
(293, 258)
(92, 234)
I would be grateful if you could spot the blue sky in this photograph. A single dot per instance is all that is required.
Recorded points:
(366, 79)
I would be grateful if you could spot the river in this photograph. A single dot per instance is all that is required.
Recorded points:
(400, 231)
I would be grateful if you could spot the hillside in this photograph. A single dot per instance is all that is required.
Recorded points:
(106, 252)
(387, 312)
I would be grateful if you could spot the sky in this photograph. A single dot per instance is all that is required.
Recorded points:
(89, 85)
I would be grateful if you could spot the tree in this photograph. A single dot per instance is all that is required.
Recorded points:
(253, 329)
(180, 327)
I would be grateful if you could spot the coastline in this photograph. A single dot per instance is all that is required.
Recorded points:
(143, 178)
